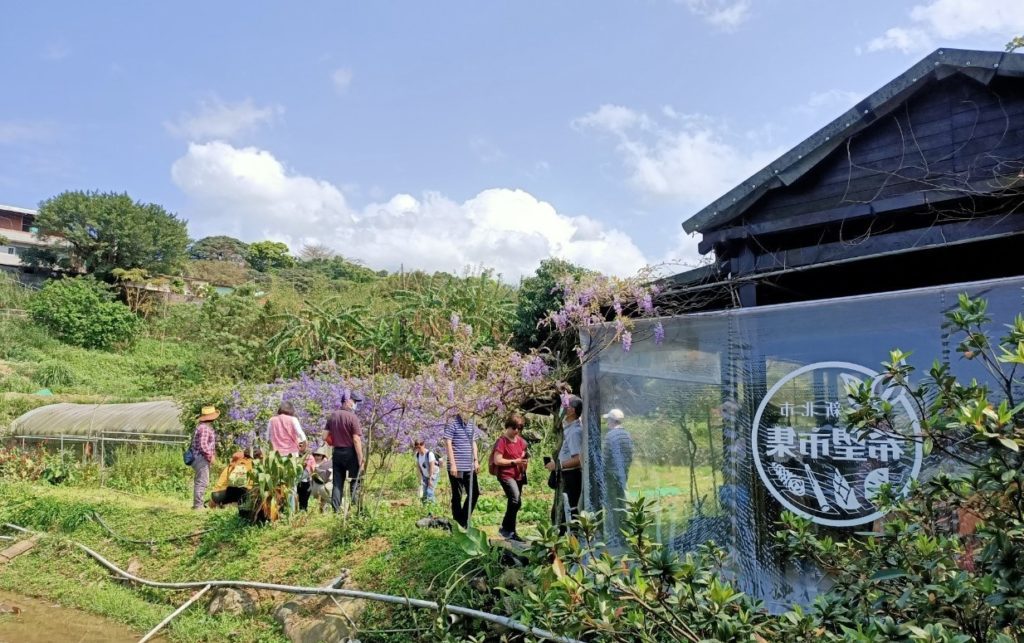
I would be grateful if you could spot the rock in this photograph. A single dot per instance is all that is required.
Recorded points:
(433, 522)
(512, 579)
(311, 619)
(228, 600)
(479, 584)
(134, 567)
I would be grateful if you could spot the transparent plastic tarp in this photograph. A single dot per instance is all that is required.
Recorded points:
(84, 420)
(733, 418)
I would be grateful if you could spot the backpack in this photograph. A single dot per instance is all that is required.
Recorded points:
(492, 468)
(239, 476)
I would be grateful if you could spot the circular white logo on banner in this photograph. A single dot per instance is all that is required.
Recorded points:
(814, 466)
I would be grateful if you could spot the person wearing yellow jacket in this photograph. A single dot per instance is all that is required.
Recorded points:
(233, 483)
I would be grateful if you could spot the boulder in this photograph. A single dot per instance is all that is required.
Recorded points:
(228, 600)
(311, 619)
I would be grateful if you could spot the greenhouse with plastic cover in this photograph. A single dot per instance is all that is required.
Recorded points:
(100, 424)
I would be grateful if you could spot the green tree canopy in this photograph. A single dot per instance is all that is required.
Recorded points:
(265, 255)
(339, 268)
(537, 297)
(105, 230)
(83, 312)
(219, 248)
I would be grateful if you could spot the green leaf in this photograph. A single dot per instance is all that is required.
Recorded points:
(1010, 444)
(888, 574)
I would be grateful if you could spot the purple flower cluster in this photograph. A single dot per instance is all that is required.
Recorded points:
(478, 383)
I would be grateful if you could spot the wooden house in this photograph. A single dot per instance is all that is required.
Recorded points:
(919, 184)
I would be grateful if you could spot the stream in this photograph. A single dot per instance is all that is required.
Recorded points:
(39, 621)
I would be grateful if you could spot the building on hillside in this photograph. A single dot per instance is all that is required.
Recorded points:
(855, 242)
(17, 234)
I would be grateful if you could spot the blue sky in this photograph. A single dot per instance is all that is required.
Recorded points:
(442, 135)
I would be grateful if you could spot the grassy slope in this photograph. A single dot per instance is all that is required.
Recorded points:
(387, 554)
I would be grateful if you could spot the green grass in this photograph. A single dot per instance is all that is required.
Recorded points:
(385, 552)
(151, 368)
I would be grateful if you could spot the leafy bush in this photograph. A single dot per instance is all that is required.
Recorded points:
(21, 464)
(948, 564)
(60, 468)
(55, 375)
(150, 469)
(83, 312)
(15, 383)
(12, 293)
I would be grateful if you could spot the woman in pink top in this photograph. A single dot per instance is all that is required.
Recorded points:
(284, 433)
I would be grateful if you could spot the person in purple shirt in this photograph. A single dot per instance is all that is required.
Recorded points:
(345, 434)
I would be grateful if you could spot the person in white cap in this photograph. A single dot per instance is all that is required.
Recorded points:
(618, 457)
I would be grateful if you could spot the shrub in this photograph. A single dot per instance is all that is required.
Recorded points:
(12, 293)
(150, 469)
(55, 375)
(82, 312)
(15, 383)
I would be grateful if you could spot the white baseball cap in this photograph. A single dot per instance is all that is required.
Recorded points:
(614, 414)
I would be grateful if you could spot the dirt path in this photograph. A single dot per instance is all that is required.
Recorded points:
(41, 621)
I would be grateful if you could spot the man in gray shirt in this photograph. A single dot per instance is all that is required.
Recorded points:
(618, 457)
(570, 461)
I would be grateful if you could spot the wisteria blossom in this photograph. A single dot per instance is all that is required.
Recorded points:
(599, 299)
(481, 383)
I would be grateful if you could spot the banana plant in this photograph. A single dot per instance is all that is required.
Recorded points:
(271, 480)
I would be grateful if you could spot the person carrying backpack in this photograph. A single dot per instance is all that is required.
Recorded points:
(201, 453)
(508, 463)
(427, 469)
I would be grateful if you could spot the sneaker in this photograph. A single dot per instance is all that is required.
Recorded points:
(507, 535)
(515, 537)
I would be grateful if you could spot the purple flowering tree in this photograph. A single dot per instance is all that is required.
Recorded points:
(479, 382)
(593, 299)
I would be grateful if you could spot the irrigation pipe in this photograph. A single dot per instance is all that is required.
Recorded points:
(155, 541)
(504, 621)
(170, 617)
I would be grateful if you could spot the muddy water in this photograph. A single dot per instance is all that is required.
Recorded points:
(41, 621)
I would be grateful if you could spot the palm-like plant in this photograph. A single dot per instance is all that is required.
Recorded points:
(271, 479)
(317, 333)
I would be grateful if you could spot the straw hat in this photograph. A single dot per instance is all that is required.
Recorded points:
(209, 413)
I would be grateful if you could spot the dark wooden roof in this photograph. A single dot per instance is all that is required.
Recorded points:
(980, 67)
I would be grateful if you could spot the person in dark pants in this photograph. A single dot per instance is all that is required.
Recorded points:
(509, 465)
(569, 462)
(345, 434)
(463, 467)
(618, 458)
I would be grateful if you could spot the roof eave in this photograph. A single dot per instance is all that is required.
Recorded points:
(980, 65)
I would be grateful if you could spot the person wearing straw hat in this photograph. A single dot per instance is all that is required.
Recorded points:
(203, 447)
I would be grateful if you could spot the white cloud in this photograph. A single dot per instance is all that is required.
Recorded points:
(907, 40)
(342, 78)
(485, 150)
(724, 14)
(219, 120)
(56, 51)
(951, 20)
(247, 192)
(12, 132)
(694, 160)
(834, 101)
